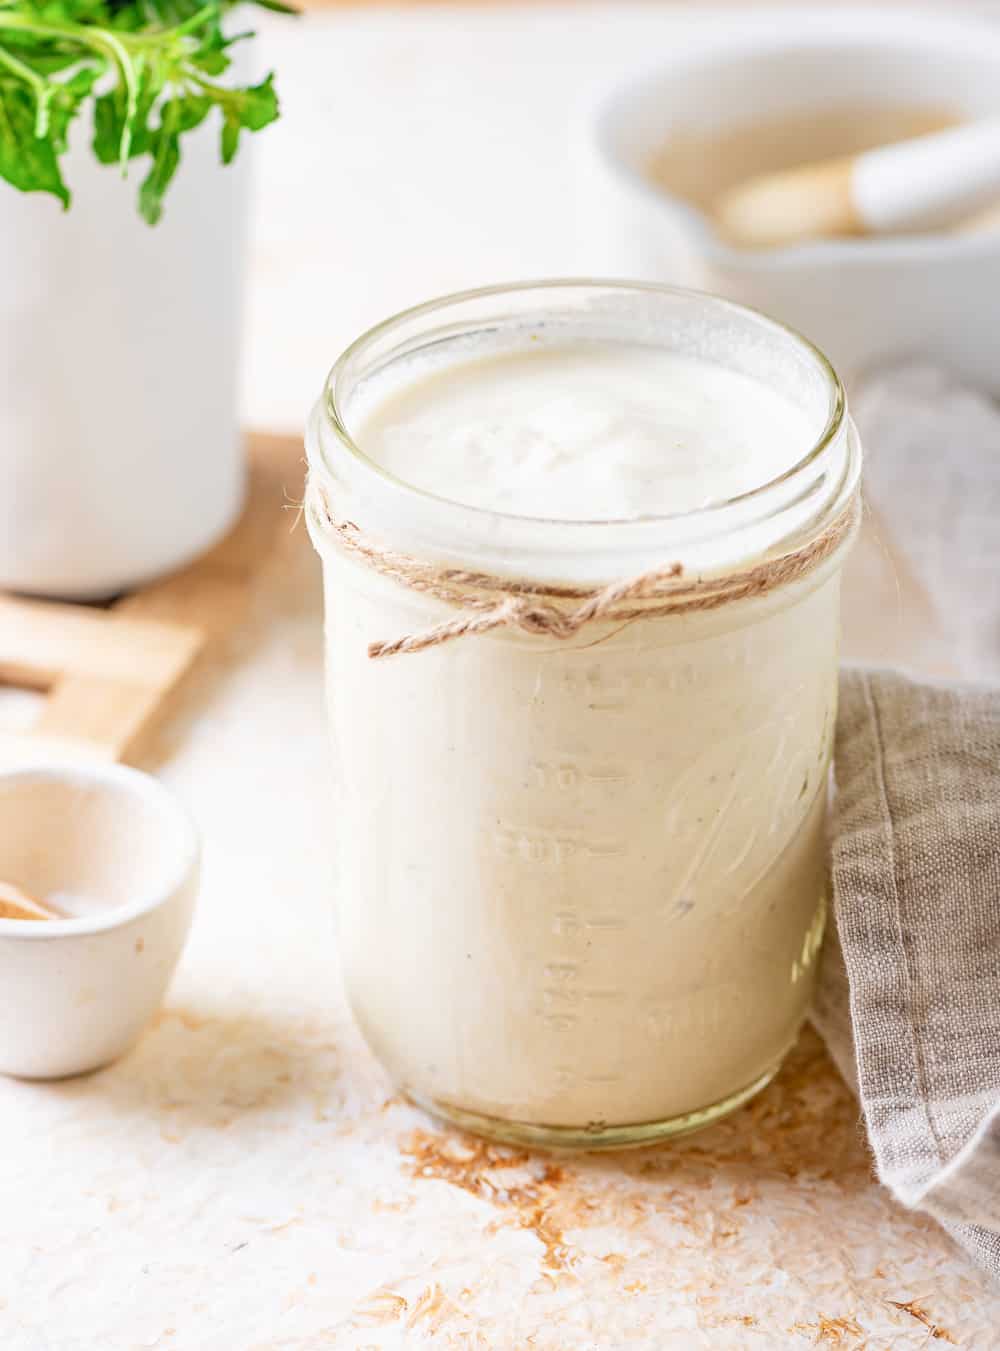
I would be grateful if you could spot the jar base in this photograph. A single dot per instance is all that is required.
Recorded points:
(597, 1136)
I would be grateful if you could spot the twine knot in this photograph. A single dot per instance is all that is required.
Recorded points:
(485, 601)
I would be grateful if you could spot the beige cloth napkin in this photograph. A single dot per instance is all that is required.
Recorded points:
(909, 990)
(909, 1002)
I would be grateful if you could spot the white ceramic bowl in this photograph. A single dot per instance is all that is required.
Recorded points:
(862, 301)
(77, 992)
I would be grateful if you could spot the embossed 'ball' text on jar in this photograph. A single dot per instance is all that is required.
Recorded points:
(582, 874)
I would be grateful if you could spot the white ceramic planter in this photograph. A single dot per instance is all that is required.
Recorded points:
(120, 455)
(863, 301)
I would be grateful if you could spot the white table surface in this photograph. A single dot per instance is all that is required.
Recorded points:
(424, 149)
(245, 1180)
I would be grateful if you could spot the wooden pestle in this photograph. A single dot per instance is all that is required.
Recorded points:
(926, 183)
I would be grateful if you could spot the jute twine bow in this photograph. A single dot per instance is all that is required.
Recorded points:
(487, 602)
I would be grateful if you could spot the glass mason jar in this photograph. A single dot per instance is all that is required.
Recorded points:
(582, 882)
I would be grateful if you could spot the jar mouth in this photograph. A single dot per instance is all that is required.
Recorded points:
(341, 376)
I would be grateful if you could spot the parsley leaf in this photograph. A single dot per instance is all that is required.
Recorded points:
(157, 64)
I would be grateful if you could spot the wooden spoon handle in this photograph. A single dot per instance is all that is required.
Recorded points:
(17, 904)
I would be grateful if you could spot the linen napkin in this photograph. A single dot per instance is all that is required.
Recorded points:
(909, 989)
(909, 997)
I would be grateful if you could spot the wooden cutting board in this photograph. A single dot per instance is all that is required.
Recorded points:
(108, 673)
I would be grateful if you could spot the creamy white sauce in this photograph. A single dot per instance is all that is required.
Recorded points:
(582, 883)
(586, 431)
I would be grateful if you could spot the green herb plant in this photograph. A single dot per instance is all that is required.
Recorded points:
(151, 70)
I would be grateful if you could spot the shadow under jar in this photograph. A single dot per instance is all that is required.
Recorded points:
(582, 880)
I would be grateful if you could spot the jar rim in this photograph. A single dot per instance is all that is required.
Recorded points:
(333, 396)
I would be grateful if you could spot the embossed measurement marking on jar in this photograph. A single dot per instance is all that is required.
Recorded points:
(552, 848)
(570, 923)
(574, 998)
(614, 684)
(565, 1009)
(573, 1004)
(566, 773)
(565, 1077)
(697, 1014)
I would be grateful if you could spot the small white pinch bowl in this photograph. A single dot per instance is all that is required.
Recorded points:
(77, 992)
(863, 301)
